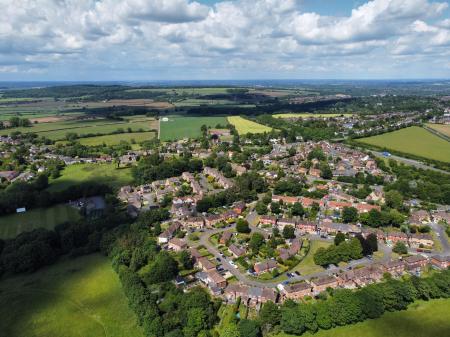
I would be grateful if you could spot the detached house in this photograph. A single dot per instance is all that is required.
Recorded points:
(265, 266)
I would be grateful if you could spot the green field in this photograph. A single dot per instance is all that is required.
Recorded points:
(306, 115)
(80, 297)
(307, 265)
(101, 173)
(14, 224)
(186, 91)
(138, 137)
(422, 319)
(441, 128)
(244, 126)
(413, 140)
(58, 130)
(178, 127)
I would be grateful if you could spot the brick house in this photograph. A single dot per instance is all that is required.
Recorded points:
(236, 251)
(267, 220)
(204, 264)
(265, 266)
(281, 223)
(417, 240)
(323, 283)
(441, 262)
(177, 245)
(415, 262)
(306, 227)
(296, 291)
(396, 267)
(225, 237)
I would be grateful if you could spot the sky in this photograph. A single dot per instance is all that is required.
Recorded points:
(153, 40)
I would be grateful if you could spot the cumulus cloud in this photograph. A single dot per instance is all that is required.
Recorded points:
(178, 38)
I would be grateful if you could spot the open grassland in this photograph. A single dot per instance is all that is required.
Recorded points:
(307, 265)
(422, 319)
(307, 115)
(100, 173)
(58, 130)
(413, 140)
(14, 224)
(115, 139)
(178, 127)
(441, 128)
(80, 297)
(244, 126)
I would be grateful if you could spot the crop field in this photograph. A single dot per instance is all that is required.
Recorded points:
(244, 126)
(196, 102)
(441, 128)
(422, 319)
(58, 130)
(14, 224)
(413, 140)
(307, 115)
(101, 173)
(79, 297)
(138, 137)
(186, 91)
(178, 127)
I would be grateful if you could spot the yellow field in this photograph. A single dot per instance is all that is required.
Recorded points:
(441, 128)
(306, 115)
(244, 126)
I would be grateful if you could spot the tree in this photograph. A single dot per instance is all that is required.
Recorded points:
(393, 199)
(275, 207)
(400, 248)
(289, 232)
(298, 210)
(340, 237)
(349, 214)
(196, 322)
(231, 330)
(325, 171)
(372, 241)
(164, 268)
(256, 241)
(186, 260)
(249, 328)
(242, 226)
(269, 314)
(261, 208)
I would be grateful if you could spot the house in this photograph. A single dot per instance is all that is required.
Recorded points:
(334, 228)
(395, 267)
(306, 227)
(365, 208)
(215, 279)
(415, 262)
(169, 233)
(225, 237)
(204, 264)
(421, 240)
(395, 237)
(419, 217)
(365, 232)
(296, 291)
(338, 205)
(250, 296)
(212, 219)
(314, 172)
(265, 266)
(239, 207)
(361, 277)
(323, 283)
(194, 222)
(195, 254)
(240, 170)
(441, 262)
(285, 199)
(281, 223)
(293, 249)
(177, 244)
(236, 251)
(267, 220)
(442, 216)
(8, 175)
(308, 202)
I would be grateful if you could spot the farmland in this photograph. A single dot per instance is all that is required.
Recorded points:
(77, 297)
(413, 140)
(178, 127)
(244, 126)
(441, 128)
(422, 319)
(14, 224)
(306, 115)
(115, 139)
(100, 173)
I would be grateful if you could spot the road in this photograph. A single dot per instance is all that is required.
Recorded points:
(411, 162)
(439, 230)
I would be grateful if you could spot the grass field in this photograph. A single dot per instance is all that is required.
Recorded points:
(186, 91)
(414, 140)
(306, 115)
(441, 128)
(117, 138)
(81, 297)
(244, 126)
(422, 319)
(14, 224)
(307, 265)
(178, 127)
(101, 173)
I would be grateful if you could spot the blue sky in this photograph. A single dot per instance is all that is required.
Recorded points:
(239, 39)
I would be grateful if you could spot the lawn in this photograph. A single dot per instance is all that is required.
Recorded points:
(101, 173)
(307, 115)
(441, 128)
(80, 297)
(307, 265)
(413, 140)
(422, 319)
(138, 137)
(244, 126)
(14, 224)
(178, 127)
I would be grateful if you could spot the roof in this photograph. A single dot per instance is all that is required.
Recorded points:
(292, 288)
(324, 280)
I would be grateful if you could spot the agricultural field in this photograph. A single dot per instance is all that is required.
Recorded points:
(74, 298)
(14, 224)
(307, 115)
(441, 128)
(177, 127)
(115, 139)
(413, 140)
(422, 319)
(100, 173)
(58, 130)
(185, 91)
(244, 126)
